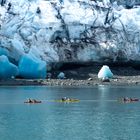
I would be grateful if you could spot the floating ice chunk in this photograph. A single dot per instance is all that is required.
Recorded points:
(32, 67)
(105, 72)
(7, 69)
(61, 75)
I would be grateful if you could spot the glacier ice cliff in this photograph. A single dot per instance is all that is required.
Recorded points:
(7, 69)
(69, 30)
(31, 67)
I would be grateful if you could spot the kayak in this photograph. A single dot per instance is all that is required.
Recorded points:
(128, 100)
(67, 101)
(32, 102)
(134, 100)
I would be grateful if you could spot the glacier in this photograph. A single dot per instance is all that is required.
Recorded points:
(70, 30)
(31, 67)
(7, 69)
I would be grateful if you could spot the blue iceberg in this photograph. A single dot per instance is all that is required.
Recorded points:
(105, 72)
(7, 69)
(32, 68)
(61, 75)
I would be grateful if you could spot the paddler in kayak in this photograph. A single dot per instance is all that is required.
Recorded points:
(126, 99)
(65, 99)
(31, 101)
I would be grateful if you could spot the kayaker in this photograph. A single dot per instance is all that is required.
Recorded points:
(29, 100)
(64, 98)
(32, 101)
(126, 99)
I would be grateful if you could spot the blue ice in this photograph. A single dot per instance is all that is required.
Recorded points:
(7, 69)
(61, 75)
(31, 67)
(105, 72)
(3, 51)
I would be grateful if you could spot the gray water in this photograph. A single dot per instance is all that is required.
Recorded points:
(98, 115)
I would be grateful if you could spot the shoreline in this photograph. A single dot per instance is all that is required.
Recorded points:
(82, 76)
(119, 81)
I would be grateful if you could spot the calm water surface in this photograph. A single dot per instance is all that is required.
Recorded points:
(98, 116)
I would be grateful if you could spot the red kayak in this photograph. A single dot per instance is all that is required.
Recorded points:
(131, 100)
(32, 102)
(134, 100)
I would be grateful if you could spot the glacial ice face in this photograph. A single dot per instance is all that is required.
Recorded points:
(7, 69)
(70, 30)
(31, 67)
(105, 72)
(3, 51)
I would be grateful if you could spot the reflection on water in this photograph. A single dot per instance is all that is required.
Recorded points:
(97, 116)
